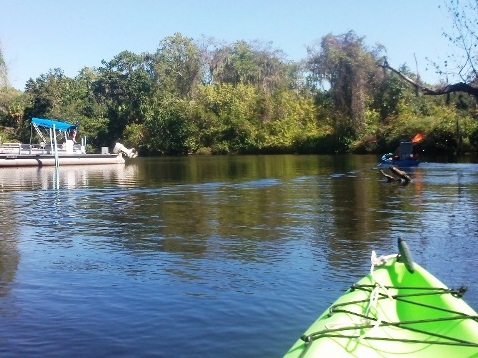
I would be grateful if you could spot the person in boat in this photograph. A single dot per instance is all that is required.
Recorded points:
(388, 156)
(73, 135)
(405, 151)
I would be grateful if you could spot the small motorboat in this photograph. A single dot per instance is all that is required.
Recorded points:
(398, 310)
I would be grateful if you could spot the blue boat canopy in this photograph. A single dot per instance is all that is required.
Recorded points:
(49, 123)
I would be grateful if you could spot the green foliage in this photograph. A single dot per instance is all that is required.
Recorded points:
(211, 98)
(388, 95)
(255, 63)
(290, 122)
(177, 65)
(243, 118)
(169, 130)
(3, 71)
(48, 94)
(123, 86)
(226, 118)
(445, 129)
(12, 104)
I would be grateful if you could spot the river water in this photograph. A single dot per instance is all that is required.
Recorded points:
(213, 256)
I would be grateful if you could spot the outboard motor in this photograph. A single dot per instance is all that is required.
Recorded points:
(131, 153)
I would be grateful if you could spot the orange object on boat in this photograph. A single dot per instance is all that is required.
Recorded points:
(418, 137)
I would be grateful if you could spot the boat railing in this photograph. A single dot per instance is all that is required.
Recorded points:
(39, 148)
(33, 149)
(10, 148)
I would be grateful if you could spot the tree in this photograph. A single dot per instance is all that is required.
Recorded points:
(435, 91)
(12, 103)
(226, 118)
(349, 68)
(48, 94)
(177, 65)
(12, 106)
(169, 130)
(3, 70)
(464, 35)
(85, 108)
(255, 63)
(124, 86)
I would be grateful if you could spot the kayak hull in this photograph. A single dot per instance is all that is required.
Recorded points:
(416, 315)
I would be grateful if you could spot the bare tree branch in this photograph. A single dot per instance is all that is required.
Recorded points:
(456, 87)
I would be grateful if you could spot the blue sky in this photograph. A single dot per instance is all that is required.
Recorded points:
(38, 35)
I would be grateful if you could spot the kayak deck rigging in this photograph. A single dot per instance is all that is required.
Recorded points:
(333, 332)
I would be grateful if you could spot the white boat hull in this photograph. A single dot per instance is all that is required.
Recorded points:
(49, 160)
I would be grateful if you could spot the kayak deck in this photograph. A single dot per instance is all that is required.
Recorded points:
(394, 313)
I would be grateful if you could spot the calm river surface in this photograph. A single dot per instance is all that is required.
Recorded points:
(212, 256)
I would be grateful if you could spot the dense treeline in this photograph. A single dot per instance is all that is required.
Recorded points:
(203, 96)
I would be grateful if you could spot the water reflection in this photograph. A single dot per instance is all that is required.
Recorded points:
(69, 177)
(189, 241)
(9, 254)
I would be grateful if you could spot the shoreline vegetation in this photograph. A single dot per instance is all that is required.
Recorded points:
(193, 97)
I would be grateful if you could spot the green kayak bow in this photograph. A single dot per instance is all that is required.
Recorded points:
(398, 310)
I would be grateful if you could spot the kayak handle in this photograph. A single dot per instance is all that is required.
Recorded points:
(405, 255)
